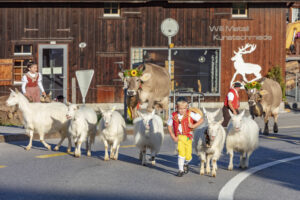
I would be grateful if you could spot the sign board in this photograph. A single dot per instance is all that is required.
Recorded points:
(169, 27)
(84, 78)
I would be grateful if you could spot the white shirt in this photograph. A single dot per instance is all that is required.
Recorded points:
(25, 81)
(194, 116)
(230, 95)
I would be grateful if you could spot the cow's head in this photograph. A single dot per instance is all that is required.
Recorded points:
(134, 83)
(255, 96)
(107, 116)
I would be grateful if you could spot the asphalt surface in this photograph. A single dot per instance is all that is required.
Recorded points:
(27, 175)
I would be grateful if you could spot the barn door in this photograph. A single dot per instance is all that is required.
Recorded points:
(6, 71)
(53, 67)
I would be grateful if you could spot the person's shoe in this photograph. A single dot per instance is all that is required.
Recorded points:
(186, 168)
(180, 173)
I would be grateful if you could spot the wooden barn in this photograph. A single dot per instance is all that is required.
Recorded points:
(63, 36)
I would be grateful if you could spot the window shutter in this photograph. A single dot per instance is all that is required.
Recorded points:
(6, 71)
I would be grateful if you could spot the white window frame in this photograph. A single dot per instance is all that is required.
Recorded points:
(239, 15)
(111, 14)
(23, 53)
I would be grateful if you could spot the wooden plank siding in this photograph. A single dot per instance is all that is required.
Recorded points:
(264, 21)
(110, 39)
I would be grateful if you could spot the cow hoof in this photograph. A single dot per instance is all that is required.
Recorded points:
(266, 132)
(275, 128)
(56, 148)
(230, 168)
(28, 148)
(213, 174)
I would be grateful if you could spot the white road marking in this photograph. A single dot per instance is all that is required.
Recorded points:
(229, 188)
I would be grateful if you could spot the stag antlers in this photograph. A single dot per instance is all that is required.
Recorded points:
(243, 49)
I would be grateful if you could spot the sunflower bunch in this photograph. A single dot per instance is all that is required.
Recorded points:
(252, 85)
(133, 72)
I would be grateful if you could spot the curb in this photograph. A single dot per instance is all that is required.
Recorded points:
(24, 137)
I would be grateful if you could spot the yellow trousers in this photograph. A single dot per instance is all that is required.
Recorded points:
(185, 147)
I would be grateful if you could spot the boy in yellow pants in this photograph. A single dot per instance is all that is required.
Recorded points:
(180, 126)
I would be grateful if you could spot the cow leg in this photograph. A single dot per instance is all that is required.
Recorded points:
(247, 159)
(208, 158)
(30, 140)
(230, 166)
(242, 160)
(144, 156)
(275, 115)
(44, 143)
(106, 150)
(266, 119)
(214, 167)
(203, 158)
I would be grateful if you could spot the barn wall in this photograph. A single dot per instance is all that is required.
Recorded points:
(110, 39)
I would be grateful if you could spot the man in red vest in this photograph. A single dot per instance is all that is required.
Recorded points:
(232, 102)
(180, 125)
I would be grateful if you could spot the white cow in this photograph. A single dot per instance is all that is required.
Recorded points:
(148, 133)
(82, 127)
(242, 137)
(112, 132)
(41, 118)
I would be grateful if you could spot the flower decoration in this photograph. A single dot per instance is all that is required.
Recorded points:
(132, 73)
(253, 85)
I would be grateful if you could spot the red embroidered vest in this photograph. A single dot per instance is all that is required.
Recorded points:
(235, 101)
(184, 124)
(30, 82)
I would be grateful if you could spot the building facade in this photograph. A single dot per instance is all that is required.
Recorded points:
(63, 36)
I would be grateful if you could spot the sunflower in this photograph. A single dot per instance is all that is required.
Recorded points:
(254, 83)
(133, 72)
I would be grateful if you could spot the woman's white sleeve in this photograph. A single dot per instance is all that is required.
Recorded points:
(40, 84)
(24, 83)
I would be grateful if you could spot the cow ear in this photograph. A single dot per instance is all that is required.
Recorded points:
(230, 113)
(153, 112)
(216, 112)
(113, 109)
(221, 121)
(204, 110)
(263, 92)
(50, 93)
(121, 75)
(242, 114)
(145, 77)
(17, 91)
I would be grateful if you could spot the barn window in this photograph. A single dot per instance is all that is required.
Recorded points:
(22, 49)
(239, 10)
(192, 69)
(111, 9)
(20, 66)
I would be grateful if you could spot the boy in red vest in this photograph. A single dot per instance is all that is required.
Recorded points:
(180, 126)
(232, 102)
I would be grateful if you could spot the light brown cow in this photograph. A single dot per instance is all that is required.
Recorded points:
(153, 86)
(265, 102)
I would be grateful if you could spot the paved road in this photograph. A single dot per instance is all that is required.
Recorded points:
(43, 174)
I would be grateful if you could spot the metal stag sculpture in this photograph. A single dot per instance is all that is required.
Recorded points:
(245, 68)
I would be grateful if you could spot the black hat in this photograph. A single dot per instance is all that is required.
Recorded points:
(237, 84)
(181, 99)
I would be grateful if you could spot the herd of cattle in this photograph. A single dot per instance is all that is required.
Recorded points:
(153, 86)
